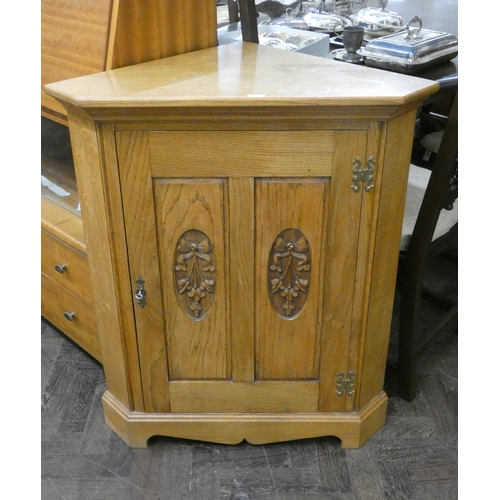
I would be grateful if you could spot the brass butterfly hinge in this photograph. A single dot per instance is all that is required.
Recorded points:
(345, 384)
(364, 175)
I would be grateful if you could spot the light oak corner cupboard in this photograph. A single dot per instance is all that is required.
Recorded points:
(243, 209)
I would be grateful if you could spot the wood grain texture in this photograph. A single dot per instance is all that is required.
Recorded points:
(83, 327)
(244, 397)
(307, 153)
(84, 37)
(74, 41)
(168, 192)
(197, 348)
(352, 428)
(241, 195)
(76, 275)
(121, 284)
(415, 452)
(63, 224)
(144, 31)
(289, 348)
(396, 159)
(364, 259)
(340, 274)
(110, 318)
(143, 258)
(245, 74)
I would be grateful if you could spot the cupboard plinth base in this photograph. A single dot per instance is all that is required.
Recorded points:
(353, 428)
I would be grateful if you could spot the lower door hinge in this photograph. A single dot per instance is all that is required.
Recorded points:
(345, 384)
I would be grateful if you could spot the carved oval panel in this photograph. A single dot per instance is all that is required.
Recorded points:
(194, 270)
(289, 273)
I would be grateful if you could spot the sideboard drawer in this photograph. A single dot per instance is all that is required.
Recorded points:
(71, 315)
(67, 267)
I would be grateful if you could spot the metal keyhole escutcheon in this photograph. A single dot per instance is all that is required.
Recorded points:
(140, 293)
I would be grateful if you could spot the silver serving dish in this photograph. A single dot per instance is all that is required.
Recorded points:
(331, 23)
(410, 51)
(379, 22)
(341, 7)
(288, 21)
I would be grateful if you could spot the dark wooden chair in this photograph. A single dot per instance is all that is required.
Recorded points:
(430, 229)
(244, 11)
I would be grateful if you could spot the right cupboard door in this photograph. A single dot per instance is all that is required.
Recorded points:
(248, 256)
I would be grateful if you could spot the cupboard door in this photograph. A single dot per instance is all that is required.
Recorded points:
(249, 283)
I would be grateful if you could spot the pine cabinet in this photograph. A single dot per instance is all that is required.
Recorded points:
(243, 208)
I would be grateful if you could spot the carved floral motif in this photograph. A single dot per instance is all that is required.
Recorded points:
(194, 273)
(289, 272)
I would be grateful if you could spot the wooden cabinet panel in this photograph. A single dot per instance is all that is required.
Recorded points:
(267, 153)
(71, 315)
(73, 271)
(63, 225)
(190, 223)
(343, 291)
(144, 31)
(82, 37)
(290, 262)
(68, 290)
(241, 261)
(74, 41)
(243, 397)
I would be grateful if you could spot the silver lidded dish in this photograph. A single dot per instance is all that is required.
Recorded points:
(289, 20)
(410, 51)
(379, 22)
(332, 23)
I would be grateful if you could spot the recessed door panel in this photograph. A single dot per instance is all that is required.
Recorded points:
(190, 222)
(290, 219)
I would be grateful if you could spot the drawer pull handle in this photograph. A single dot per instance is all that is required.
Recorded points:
(69, 316)
(60, 268)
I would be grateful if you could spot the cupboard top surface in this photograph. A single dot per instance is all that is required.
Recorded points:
(242, 74)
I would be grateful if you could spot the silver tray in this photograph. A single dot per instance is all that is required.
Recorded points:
(411, 50)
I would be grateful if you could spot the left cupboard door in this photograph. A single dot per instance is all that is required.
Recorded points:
(175, 231)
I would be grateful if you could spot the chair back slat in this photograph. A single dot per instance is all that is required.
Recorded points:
(442, 189)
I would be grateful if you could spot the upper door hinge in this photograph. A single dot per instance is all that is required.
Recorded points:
(364, 175)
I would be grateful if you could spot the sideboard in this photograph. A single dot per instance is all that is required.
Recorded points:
(243, 209)
(81, 37)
